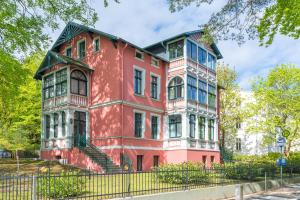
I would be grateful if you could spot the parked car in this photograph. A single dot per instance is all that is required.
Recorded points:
(5, 154)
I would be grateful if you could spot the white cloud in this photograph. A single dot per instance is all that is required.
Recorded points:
(145, 22)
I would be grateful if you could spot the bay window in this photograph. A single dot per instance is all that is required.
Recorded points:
(192, 87)
(48, 87)
(61, 82)
(211, 129)
(202, 56)
(175, 88)
(202, 92)
(176, 49)
(191, 50)
(55, 125)
(48, 126)
(175, 126)
(78, 83)
(192, 125)
(201, 121)
(211, 61)
(211, 96)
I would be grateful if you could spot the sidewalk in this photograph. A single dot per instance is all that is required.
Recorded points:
(290, 192)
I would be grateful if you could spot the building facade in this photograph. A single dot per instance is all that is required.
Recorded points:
(108, 102)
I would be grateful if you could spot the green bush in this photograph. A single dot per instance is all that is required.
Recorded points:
(182, 173)
(67, 184)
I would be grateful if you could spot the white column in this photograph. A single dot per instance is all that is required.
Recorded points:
(206, 128)
(216, 130)
(197, 128)
(185, 126)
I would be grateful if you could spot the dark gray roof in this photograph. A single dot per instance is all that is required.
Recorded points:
(185, 34)
(52, 58)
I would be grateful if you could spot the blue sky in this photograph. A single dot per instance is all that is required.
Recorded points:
(144, 22)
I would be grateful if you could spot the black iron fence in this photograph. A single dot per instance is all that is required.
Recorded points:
(89, 185)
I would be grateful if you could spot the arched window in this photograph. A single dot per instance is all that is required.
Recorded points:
(78, 83)
(175, 88)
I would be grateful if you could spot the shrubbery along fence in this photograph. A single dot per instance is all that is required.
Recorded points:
(166, 178)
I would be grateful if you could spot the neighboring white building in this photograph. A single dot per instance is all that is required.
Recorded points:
(250, 143)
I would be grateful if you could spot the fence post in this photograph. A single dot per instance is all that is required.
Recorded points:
(34, 188)
(187, 177)
(265, 181)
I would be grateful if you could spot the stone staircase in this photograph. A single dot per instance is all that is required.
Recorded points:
(100, 159)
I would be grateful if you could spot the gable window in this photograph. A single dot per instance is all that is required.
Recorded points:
(191, 50)
(48, 87)
(211, 129)
(175, 126)
(154, 62)
(61, 82)
(175, 88)
(176, 49)
(238, 144)
(81, 49)
(202, 92)
(211, 61)
(154, 127)
(192, 87)
(139, 55)
(55, 125)
(211, 96)
(155, 87)
(201, 121)
(48, 122)
(155, 161)
(138, 124)
(139, 78)
(202, 54)
(192, 125)
(68, 51)
(139, 162)
(78, 83)
(63, 123)
(96, 44)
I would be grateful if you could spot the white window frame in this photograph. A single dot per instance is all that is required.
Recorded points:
(138, 51)
(143, 121)
(153, 58)
(96, 38)
(143, 79)
(158, 85)
(68, 47)
(83, 39)
(158, 124)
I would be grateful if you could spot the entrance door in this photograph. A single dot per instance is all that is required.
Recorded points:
(80, 129)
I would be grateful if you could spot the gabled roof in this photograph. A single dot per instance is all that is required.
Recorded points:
(52, 58)
(185, 34)
(72, 29)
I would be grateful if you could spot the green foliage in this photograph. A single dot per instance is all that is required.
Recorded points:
(181, 173)
(277, 102)
(230, 102)
(67, 184)
(20, 104)
(23, 22)
(241, 20)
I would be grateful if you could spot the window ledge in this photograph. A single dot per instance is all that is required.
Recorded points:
(153, 99)
(139, 59)
(176, 59)
(139, 95)
(178, 99)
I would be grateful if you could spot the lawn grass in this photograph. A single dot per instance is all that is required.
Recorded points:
(30, 166)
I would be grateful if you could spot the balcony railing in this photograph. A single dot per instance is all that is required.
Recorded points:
(64, 100)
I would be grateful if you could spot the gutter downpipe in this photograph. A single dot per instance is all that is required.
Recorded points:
(122, 97)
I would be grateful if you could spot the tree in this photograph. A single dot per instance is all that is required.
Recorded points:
(277, 103)
(20, 109)
(22, 22)
(230, 110)
(253, 18)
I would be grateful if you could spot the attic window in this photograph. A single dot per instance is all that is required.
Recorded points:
(154, 62)
(139, 55)
(68, 51)
(81, 49)
(96, 44)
